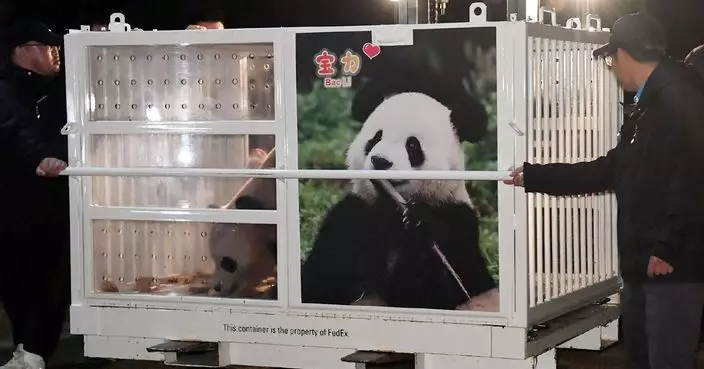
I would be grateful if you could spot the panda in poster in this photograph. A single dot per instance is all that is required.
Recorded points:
(370, 250)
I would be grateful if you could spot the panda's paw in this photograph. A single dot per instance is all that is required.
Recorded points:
(416, 214)
(487, 301)
(214, 292)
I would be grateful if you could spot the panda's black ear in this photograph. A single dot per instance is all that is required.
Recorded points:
(468, 115)
(470, 119)
(366, 99)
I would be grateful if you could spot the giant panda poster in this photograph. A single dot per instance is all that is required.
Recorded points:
(426, 244)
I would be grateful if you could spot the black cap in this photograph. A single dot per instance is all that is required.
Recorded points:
(639, 34)
(696, 56)
(22, 32)
(695, 59)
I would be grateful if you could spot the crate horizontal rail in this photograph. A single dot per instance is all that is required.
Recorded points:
(289, 173)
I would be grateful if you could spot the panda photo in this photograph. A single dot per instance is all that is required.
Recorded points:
(370, 250)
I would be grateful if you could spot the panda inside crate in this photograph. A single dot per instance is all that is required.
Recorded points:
(368, 250)
(245, 254)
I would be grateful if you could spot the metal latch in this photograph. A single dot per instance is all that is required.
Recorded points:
(67, 129)
(118, 24)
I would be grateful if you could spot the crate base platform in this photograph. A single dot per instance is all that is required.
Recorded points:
(274, 356)
(590, 328)
(184, 353)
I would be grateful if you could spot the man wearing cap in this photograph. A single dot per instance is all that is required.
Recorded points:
(657, 175)
(34, 264)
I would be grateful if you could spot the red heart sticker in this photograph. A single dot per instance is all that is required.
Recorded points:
(371, 50)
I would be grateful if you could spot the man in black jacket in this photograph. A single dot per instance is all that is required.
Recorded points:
(657, 174)
(34, 264)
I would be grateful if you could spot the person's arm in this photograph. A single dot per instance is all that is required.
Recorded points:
(669, 232)
(561, 179)
(20, 140)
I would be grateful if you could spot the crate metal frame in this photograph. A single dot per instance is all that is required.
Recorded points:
(487, 338)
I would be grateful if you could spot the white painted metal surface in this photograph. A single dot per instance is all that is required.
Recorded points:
(124, 187)
(289, 174)
(573, 117)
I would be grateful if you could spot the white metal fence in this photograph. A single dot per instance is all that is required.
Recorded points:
(573, 116)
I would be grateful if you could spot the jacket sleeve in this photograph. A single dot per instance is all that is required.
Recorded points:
(684, 192)
(19, 136)
(670, 231)
(561, 179)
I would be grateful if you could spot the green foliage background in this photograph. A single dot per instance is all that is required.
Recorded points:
(326, 128)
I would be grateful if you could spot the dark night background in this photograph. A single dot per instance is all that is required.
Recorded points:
(681, 18)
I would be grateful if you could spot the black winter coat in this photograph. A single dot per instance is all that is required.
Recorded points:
(32, 113)
(657, 173)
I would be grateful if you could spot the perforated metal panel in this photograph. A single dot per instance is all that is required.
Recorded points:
(182, 83)
(161, 257)
(167, 150)
(133, 86)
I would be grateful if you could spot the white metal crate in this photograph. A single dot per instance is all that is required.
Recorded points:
(147, 160)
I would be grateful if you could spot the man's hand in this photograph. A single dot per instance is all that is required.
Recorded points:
(51, 167)
(658, 267)
(516, 178)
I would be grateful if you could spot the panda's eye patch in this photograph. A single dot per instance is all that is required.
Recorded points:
(416, 156)
(228, 265)
(371, 143)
